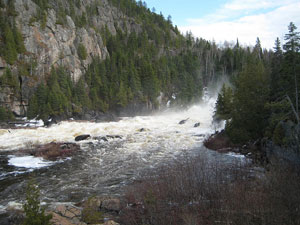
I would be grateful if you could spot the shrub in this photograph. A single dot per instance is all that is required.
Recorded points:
(35, 214)
(91, 213)
(203, 191)
(82, 52)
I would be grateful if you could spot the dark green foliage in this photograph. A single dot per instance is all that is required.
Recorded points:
(54, 98)
(8, 79)
(249, 114)
(224, 104)
(6, 114)
(11, 11)
(34, 213)
(10, 50)
(276, 65)
(262, 104)
(91, 213)
(43, 4)
(19, 42)
(11, 40)
(81, 52)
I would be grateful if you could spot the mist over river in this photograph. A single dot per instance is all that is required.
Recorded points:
(145, 143)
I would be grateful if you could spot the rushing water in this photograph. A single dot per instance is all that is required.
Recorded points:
(100, 167)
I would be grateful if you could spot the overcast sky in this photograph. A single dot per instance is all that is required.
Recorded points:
(222, 20)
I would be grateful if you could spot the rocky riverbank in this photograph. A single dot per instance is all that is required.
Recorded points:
(220, 142)
(103, 210)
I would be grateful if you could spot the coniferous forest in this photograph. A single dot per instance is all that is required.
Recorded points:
(261, 101)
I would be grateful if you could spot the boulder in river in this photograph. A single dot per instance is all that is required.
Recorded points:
(50, 122)
(183, 121)
(197, 125)
(82, 137)
(114, 136)
(54, 151)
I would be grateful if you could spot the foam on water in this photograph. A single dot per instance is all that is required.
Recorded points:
(160, 130)
(28, 162)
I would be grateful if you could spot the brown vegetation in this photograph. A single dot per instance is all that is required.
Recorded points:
(197, 191)
(53, 151)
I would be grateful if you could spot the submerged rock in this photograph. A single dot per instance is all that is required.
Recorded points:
(82, 137)
(114, 136)
(197, 125)
(106, 137)
(183, 121)
(54, 151)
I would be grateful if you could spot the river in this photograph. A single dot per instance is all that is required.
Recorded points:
(101, 167)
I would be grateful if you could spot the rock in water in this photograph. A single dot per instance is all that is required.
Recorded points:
(82, 137)
(183, 121)
(197, 125)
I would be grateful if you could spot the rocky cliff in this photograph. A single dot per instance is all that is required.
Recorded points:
(56, 43)
(72, 57)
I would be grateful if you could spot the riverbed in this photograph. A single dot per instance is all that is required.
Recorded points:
(132, 147)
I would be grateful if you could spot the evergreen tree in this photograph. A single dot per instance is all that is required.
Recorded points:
(10, 50)
(276, 65)
(81, 50)
(291, 69)
(224, 103)
(34, 213)
(249, 114)
(19, 42)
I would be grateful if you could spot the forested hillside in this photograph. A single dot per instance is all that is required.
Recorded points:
(70, 58)
(262, 100)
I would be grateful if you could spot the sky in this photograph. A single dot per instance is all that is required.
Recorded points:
(221, 20)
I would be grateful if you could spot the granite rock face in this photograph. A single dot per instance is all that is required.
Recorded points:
(56, 44)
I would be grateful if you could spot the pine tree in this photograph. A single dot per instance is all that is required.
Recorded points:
(19, 40)
(81, 50)
(34, 213)
(291, 67)
(224, 103)
(276, 65)
(249, 114)
(10, 50)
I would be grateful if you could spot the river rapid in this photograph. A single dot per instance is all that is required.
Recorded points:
(101, 167)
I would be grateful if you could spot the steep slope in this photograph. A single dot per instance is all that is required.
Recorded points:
(68, 36)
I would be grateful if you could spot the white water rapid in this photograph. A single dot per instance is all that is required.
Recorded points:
(101, 167)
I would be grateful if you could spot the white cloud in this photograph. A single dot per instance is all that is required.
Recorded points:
(240, 19)
(255, 4)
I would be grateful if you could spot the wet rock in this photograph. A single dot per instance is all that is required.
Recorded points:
(143, 130)
(199, 135)
(53, 151)
(197, 125)
(50, 122)
(82, 137)
(113, 204)
(218, 141)
(183, 121)
(103, 138)
(114, 136)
